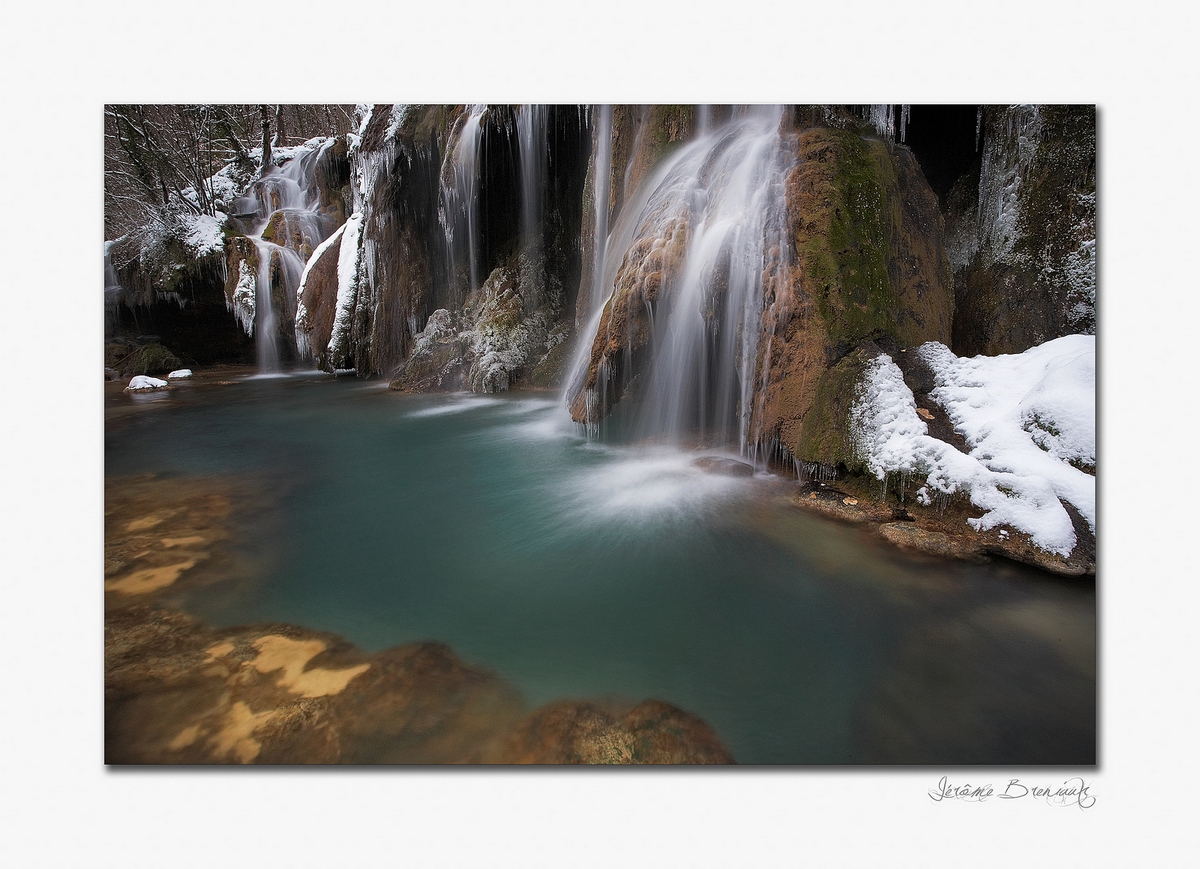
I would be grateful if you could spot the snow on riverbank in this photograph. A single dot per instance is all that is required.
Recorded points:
(1029, 421)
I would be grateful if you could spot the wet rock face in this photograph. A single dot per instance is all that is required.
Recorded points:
(397, 289)
(332, 176)
(867, 262)
(441, 358)
(1024, 231)
(507, 334)
(825, 433)
(406, 161)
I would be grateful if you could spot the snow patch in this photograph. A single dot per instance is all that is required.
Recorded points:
(396, 121)
(1031, 414)
(349, 271)
(206, 234)
(180, 374)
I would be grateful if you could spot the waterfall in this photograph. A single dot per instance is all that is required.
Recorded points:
(287, 206)
(597, 296)
(534, 145)
(702, 230)
(459, 206)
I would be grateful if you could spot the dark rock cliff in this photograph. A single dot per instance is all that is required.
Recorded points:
(1023, 231)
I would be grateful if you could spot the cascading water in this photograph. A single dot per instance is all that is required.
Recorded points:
(713, 219)
(597, 294)
(533, 142)
(533, 145)
(286, 205)
(458, 210)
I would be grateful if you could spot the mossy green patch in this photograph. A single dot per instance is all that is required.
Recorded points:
(847, 267)
(152, 359)
(825, 435)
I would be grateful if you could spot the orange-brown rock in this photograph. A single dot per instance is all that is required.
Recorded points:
(573, 732)
(623, 337)
(868, 264)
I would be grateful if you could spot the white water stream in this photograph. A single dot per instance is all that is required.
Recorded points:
(722, 196)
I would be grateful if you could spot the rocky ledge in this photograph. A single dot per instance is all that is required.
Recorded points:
(941, 529)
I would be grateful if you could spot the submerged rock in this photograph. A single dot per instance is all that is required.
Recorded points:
(724, 466)
(574, 732)
(177, 691)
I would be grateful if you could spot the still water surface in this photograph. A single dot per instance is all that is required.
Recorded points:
(584, 569)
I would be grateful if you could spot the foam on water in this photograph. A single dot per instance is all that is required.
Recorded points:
(459, 403)
(638, 484)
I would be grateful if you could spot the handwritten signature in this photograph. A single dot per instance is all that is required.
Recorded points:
(1072, 792)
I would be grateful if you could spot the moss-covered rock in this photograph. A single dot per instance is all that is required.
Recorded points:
(131, 359)
(869, 265)
(825, 433)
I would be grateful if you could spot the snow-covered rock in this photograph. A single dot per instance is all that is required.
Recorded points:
(1029, 422)
(180, 374)
(143, 383)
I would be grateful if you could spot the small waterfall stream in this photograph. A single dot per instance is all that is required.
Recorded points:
(287, 206)
(597, 293)
(533, 144)
(458, 211)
